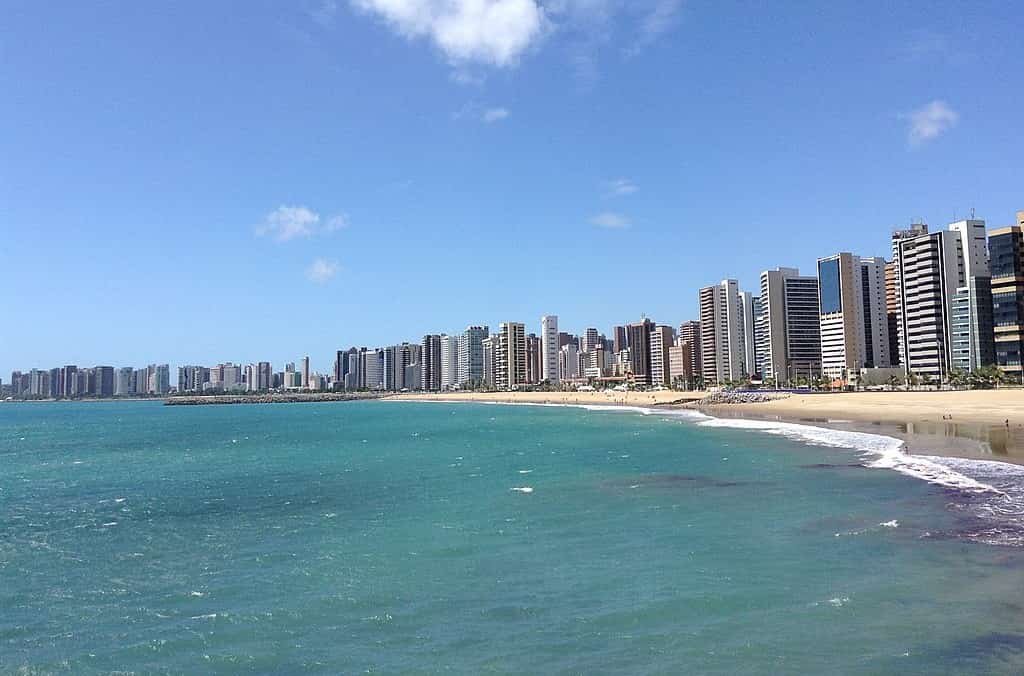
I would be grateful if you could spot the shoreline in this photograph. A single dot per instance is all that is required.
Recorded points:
(913, 418)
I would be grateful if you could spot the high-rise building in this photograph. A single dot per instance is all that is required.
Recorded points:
(892, 311)
(661, 341)
(105, 381)
(510, 359)
(373, 369)
(69, 377)
(534, 359)
(853, 314)
(930, 270)
(449, 362)
(722, 320)
(549, 348)
(305, 372)
(790, 335)
(568, 362)
(159, 378)
(430, 363)
(638, 337)
(489, 350)
(689, 332)
(589, 340)
(471, 356)
(619, 340)
(915, 230)
(680, 360)
(971, 332)
(1006, 250)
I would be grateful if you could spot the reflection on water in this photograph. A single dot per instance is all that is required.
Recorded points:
(986, 442)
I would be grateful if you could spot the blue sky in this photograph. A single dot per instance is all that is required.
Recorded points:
(241, 181)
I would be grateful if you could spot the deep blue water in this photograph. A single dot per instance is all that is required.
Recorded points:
(386, 537)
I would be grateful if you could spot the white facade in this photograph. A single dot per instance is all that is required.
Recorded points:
(449, 362)
(549, 348)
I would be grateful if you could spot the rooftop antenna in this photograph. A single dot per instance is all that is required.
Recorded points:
(972, 213)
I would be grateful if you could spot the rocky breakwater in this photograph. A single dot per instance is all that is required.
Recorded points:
(269, 398)
(726, 397)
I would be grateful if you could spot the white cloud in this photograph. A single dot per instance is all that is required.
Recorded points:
(495, 115)
(657, 21)
(610, 220)
(930, 121)
(620, 187)
(287, 223)
(489, 32)
(321, 271)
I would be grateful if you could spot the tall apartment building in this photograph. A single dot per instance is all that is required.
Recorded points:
(619, 340)
(971, 332)
(430, 363)
(471, 355)
(790, 337)
(510, 357)
(898, 236)
(449, 362)
(549, 348)
(123, 382)
(689, 332)
(930, 270)
(305, 372)
(892, 311)
(373, 369)
(853, 314)
(489, 357)
(722, 322)
(568, 362)
(534, 359)
(638, 337)
(661, 341)
(1006, 251)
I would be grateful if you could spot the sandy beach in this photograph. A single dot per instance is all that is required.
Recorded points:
(985, 407)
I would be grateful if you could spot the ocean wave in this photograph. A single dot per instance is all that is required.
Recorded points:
(884, 452)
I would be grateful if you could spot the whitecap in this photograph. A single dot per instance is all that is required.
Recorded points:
(890, 524)
(526, 471)
(888, 452)
(523, 489)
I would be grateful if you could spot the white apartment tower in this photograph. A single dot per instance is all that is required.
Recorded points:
(722, 321)
(449, 362)
(549, 348)
(930, 272)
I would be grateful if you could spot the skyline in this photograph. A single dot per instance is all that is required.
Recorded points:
(313, 178)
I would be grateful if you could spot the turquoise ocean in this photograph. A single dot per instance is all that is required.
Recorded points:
(382, 537)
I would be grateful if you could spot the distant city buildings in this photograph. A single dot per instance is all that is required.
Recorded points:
(946, 303)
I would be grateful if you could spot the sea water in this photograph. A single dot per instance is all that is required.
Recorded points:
(389, 537)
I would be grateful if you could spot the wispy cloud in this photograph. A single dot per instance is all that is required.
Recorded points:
(286, 223)
(488, 32)
(930, 121)
(321, 271)
(658, 20)
(610, 220)
(619, 187)
(474, 112)
(495, 115)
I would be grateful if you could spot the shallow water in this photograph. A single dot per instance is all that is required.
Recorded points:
(389, 537)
